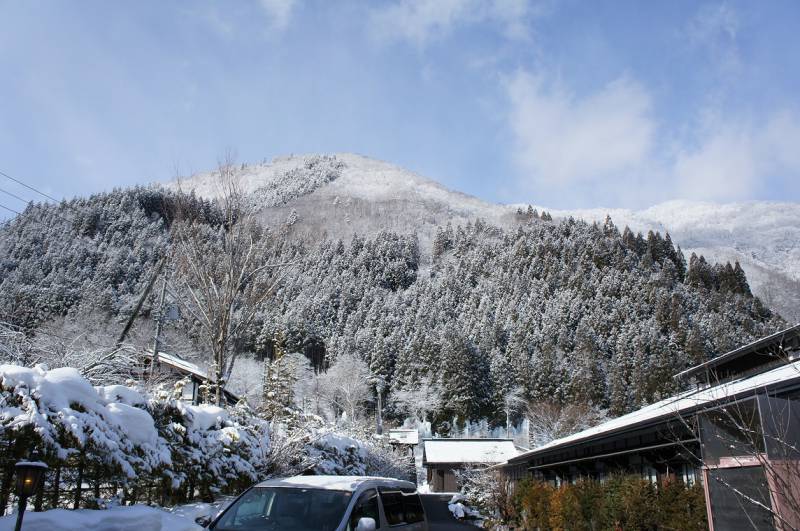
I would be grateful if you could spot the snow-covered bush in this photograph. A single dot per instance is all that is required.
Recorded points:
(64, 415)
(113, 435)
(489, 493)
(127, 445)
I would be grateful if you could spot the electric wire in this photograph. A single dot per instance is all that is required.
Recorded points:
(15, 196)
(10, 209)
(4, 174)
(29, 187)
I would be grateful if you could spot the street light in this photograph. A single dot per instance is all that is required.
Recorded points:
(29, 477)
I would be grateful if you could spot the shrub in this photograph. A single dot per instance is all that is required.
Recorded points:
(622, 502)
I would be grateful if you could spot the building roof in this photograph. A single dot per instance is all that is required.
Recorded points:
(676, 406)
(477, 451)
(346, 483)
(404, 436)
(181, 364)
(767, 349)
(187, 367)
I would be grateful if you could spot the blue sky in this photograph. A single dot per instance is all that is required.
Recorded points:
(554, 102)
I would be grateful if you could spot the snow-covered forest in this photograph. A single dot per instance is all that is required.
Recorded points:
(564, 310)
(475, 328)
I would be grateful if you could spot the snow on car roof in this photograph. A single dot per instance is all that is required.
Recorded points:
(678, 404)
(347, 483)
(468, 450)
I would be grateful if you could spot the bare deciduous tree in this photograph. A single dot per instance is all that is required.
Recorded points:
(421, 399)
(347, 385)
(225, 273)
(550, 420)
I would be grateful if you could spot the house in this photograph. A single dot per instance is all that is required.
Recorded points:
(405, 440)
(177, 368)
(443, 457)
(736, 430)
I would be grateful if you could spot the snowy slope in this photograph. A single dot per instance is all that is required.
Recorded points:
(369, 195)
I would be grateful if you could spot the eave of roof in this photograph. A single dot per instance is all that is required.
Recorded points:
(677, 406)
(768, 341)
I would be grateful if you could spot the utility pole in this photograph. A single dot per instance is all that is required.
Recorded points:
(135, 314)
(159, 322)
(379, 387)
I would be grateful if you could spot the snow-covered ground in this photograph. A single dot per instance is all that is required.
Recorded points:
(133, 518)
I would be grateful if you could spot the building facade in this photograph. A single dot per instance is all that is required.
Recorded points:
(736, 430)
(442, 458)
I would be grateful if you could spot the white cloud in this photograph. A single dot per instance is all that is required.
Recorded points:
(420, 21)
(734, 159)
(279, 12)
(609, 143)
(562, 139)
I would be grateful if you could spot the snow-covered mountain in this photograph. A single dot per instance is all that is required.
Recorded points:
(346, 194)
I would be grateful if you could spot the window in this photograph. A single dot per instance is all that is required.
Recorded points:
(650, 474)
(402, 506)
(688, 474)
(731, 431)
(366, 507)
(287, 509)
(412, 507)
(393, 506)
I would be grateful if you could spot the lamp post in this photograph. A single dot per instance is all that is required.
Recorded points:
(29, 477)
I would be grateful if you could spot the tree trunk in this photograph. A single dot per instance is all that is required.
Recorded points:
(56, 486)
(39, 500)
(220, 380)
(97, 486)
(79, 487)
(5, 489)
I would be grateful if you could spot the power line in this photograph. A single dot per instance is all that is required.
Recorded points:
(15, 196)
(38, 192)
(10, 210)
(29, 187)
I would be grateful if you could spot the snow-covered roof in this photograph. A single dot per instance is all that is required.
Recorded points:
(680, 404)
(181, 364)
(404, 436)
(477, 451)
(346, 483)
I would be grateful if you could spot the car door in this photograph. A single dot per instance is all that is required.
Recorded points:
(403, 509)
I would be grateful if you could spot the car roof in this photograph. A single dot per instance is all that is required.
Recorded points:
(346, 483)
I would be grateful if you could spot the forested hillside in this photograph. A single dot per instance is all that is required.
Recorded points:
(563, 310)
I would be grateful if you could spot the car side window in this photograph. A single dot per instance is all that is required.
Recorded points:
(393, 506)
(365, 507)
(412, 507)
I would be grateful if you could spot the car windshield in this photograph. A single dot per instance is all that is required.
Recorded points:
(287, 509)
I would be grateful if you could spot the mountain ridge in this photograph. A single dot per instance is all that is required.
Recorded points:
(369, 195)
